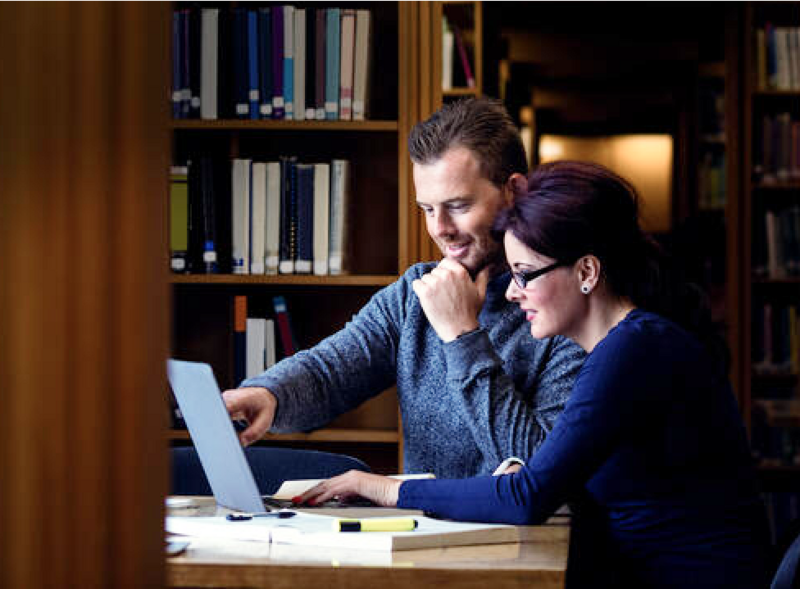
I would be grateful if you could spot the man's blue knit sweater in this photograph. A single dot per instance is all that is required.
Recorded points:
(461, 415)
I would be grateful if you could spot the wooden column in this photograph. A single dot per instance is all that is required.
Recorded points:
(84, 151)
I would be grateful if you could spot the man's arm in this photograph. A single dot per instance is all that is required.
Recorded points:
(315, 386)
(503, 420)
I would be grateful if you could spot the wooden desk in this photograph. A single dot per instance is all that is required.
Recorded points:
(540, 560)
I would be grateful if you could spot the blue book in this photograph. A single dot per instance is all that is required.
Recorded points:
(305, 219)
(195, 49)
(288, 61)
(265, 62)
(288, 244)
(240, 78)
(252, 64)
(332, 73)
(277, 62)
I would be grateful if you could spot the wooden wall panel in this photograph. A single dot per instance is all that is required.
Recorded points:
(84, 151)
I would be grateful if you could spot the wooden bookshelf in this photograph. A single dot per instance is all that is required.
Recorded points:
(379, 224)
(758, 195)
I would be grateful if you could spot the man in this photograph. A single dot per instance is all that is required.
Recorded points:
(459, 418)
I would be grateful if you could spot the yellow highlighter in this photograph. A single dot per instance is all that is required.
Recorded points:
(394, 524)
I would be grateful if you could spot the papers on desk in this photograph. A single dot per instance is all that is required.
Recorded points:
(290, 489)
(315, 530)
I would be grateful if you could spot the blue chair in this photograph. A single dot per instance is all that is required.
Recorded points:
(786, 577)
(270, 466)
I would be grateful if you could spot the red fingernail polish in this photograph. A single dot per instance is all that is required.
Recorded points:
(312, 501)
(297, 499)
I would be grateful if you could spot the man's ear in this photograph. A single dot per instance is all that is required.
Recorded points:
(516, 184)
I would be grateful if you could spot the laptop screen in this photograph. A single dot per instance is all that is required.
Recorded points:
(212, 432)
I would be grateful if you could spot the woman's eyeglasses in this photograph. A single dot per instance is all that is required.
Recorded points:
(523, 278)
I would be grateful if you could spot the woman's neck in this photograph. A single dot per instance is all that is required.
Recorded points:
(605, 313)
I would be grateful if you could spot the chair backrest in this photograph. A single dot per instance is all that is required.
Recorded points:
(786, 577)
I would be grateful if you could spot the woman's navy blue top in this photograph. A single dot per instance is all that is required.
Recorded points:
(651, 441)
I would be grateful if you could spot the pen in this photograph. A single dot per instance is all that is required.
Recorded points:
(397, 524)
(241, 517)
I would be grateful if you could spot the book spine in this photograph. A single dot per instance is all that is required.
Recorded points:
(208, 63)
(448, 42)
(288, 216)
(209, 217)
(322, 173)
(179, 218)
(338, 258)
(240, 76)
(258, 218)
(462, 54)
(332, 40)
(195, 50)
(305, 219)
(177, 51)
(346, 63)
(299, 72)
(265, 62)
(320, 60)
(256, 346)
(361, 73)
(277, 63)
(284, 326)
(288, 61)
(253, 94)
(186, 89)
(240, 224)
(273, 228)
(239, 338)
(311, 63)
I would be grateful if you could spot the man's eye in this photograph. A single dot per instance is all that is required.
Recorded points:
(458, 208)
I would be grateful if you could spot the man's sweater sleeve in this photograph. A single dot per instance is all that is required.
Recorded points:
(502, 420)
(358, 362)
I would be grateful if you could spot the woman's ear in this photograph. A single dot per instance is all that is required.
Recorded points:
(589, 269)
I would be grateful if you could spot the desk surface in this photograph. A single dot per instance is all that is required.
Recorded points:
(540, 560)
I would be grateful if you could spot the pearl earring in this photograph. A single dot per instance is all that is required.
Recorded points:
(585, 289)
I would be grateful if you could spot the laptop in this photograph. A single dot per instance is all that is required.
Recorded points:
(214, 437)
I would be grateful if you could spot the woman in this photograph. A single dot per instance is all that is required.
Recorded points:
(650, 441)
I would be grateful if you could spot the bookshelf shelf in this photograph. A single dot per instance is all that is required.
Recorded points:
(289, 279)
(768, 304)
(259, 125)
(361, 436)
(204, 319)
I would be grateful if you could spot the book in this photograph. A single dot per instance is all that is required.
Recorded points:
(463, 58)
(258, 218)
(179, 218)
(339, 238)
(256, 346)
(362, 66)
(311, 63)
(195, 41)
(209, 53)
(332, 43)
(270, 353)
(240, 215)
(305, 219)
(299, 73)
(239, 339)
(253, 89)
(277, 62)
(272, 238)
(448, 44)
(320, 60)
(346, 63)
(288, 343)
(322, 181)
(288, 61)
(316, 529)
(177, 62)
(288, 244)
(240, 70)
(210, 257)
(265, 62)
